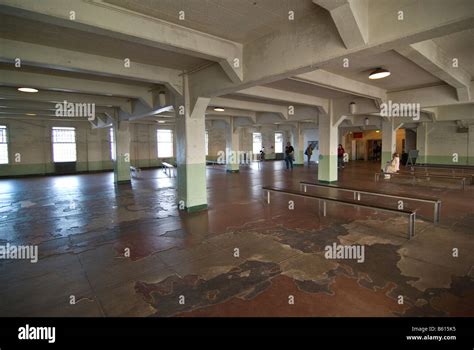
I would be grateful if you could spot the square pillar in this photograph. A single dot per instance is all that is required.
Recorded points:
(389, 140)
(122, 151)
(232, 147)
(422, 142)
(297, 140)
(470, 145)
(328, 138)
(191, 150)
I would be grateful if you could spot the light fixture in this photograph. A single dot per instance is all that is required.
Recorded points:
(352, 108)
(27, 89)
(379, 73)
(161, 121)
(219, 109)
(377, 131)
(32, 114)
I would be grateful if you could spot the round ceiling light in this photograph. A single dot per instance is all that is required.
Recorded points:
(26, 89)
(379, 73)
(219, 109)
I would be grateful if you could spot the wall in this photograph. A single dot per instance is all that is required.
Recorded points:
(32, 140)
(442, 142)
(312, 135)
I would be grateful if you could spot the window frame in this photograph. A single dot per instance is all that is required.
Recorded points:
(282, 142)
(253, 142)
(171, 131)
(6, 143)
(53, 143)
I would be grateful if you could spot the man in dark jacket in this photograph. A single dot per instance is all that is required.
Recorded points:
(289, 155)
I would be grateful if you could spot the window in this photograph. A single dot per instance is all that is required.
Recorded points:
(112, 144)
(165, 143)
(64, 145)
(257, 142)
(278, 142)
(207, 143)
(3, 145)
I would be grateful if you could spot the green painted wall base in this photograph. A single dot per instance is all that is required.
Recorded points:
(196, 208)
(327, 182)
(232, 171)
(297, 164)
(327, 168)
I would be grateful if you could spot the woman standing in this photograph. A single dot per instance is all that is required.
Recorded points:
(309, 153)
(289, 154)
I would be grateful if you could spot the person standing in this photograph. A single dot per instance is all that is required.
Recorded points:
(340, 156)
(289, 155)
(309, 153)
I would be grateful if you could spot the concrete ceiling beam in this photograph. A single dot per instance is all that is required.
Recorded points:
(98, 17)
(73, 61)
(429, 56)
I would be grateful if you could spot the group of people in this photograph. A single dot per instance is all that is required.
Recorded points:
(290, 155)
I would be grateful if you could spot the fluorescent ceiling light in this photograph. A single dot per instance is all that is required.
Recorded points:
(30, 113)
(219, 109)
(161, 121)
(379, 73)
(377, 131)
(26, 89)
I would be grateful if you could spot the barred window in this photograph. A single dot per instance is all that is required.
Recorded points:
(278, 142)
(3, 145)
(164, 143)
(64, 144)
(257, 142)
(112, 144)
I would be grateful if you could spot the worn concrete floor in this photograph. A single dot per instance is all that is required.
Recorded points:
(186, 264)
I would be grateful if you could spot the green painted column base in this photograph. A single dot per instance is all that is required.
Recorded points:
(196, 208)
(232, 171)
(327, 182)
(121, 182)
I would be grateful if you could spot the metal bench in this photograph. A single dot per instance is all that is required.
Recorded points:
(424, 176)
(410, 213)
(168, 169)
(357, 196)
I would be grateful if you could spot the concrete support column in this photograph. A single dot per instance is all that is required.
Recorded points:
(470, 145)
(328, 138)
(297, 140)
(422, 142)
(232, 147)
(122, 151)
(389, 140)
(191, 150)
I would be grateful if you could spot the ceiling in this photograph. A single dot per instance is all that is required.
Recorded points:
(236, 20)
(21, 29)
(306, 89)
(459, 45)
(76, 75)
(405, 73)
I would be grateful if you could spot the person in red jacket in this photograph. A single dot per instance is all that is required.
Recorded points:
(340, 156)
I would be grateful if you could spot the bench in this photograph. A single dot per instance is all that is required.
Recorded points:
(357, 192)
(167, 168)
(424, 176)
(468, 172)
(410, 213)
(135, 171)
